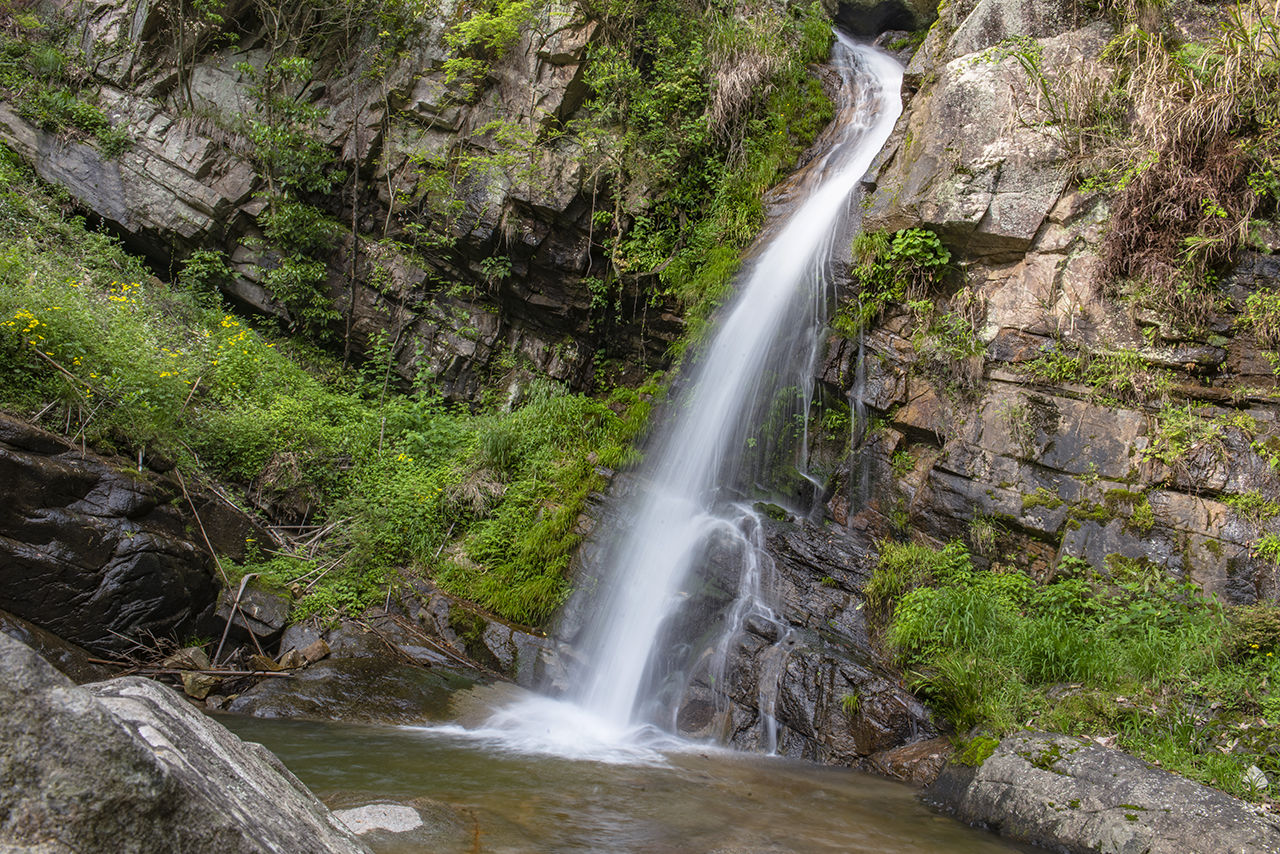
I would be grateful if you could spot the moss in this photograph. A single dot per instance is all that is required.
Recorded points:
(1046, 758)
(1088, 511)
(772, 511)
(1041, 498)
(977, 750)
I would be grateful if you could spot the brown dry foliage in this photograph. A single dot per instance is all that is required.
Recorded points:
(743, 60)
(478, 491)
(1185, 208)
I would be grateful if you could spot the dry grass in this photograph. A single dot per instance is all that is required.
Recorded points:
(745, 54)
(1199, 128)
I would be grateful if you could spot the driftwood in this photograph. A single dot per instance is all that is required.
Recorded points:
(173, 671)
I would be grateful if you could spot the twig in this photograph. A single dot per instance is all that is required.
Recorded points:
(231, 615)
(440, 646)
(195, 385)
(336, 562)
(196, 513)
(167, 671)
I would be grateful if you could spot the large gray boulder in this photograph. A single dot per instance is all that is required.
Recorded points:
(129, 766)
(978, 156)
(1076, 796)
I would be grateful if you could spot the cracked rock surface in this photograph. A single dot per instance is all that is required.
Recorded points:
(1077, 796)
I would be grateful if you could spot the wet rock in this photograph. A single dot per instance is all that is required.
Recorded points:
(359, 690)
(262, 613)
(69, 659)
(94, 551)
(918, 763)
(1064, 794)
(419, 824)
(439, 628)
(872, 17)
(199, 685)
(130, 766)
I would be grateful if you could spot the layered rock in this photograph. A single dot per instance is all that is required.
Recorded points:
(101, 553)
(130, 766)
(1080, 797)
(1054, 466)
(502, 275)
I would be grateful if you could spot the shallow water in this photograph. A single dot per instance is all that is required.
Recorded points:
(479, 797)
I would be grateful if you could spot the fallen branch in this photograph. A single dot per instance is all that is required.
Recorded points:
(231, 615)
(169, 671)
(200, 524)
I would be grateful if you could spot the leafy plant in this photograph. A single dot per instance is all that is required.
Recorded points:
(896, 268)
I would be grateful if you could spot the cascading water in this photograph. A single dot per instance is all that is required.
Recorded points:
(738, 430)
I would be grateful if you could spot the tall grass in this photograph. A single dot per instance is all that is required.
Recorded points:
(1132, 653)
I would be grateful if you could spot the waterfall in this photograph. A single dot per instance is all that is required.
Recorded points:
(764, 346)
(737, 431)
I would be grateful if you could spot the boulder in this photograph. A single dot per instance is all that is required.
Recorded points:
(357, 690)
(129, 766)
(1072, 795)
(264, 613)
(975, 158)
(68, 658)
(94, 551)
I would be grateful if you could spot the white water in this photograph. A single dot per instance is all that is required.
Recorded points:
(750, 362)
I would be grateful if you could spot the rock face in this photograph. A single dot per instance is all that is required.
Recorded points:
(67, 658)
(1049, 465)
(468, 293)
(807, 685)
(357, 690)
(100, 553)
(130, 766)
(1067, 795)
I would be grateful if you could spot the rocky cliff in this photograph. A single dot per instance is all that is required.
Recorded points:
(1143, 456)
(1150, 452)
(462, 252)
(106, 554)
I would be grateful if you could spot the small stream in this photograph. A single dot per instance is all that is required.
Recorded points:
(478, 798)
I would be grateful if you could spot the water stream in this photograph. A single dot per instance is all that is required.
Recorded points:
(738, 432)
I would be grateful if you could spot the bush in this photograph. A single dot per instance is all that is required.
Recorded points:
(901, 267)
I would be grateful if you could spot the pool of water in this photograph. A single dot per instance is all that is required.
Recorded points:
(477, 796)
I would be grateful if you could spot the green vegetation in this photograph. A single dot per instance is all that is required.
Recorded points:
(896, 268)
(43, 83)
(1182, 430)
(695, 115)
(690, 117)
(1041, 497)
(1253, 507)
(1132, 653)
(486, 502)
(1116, 377)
